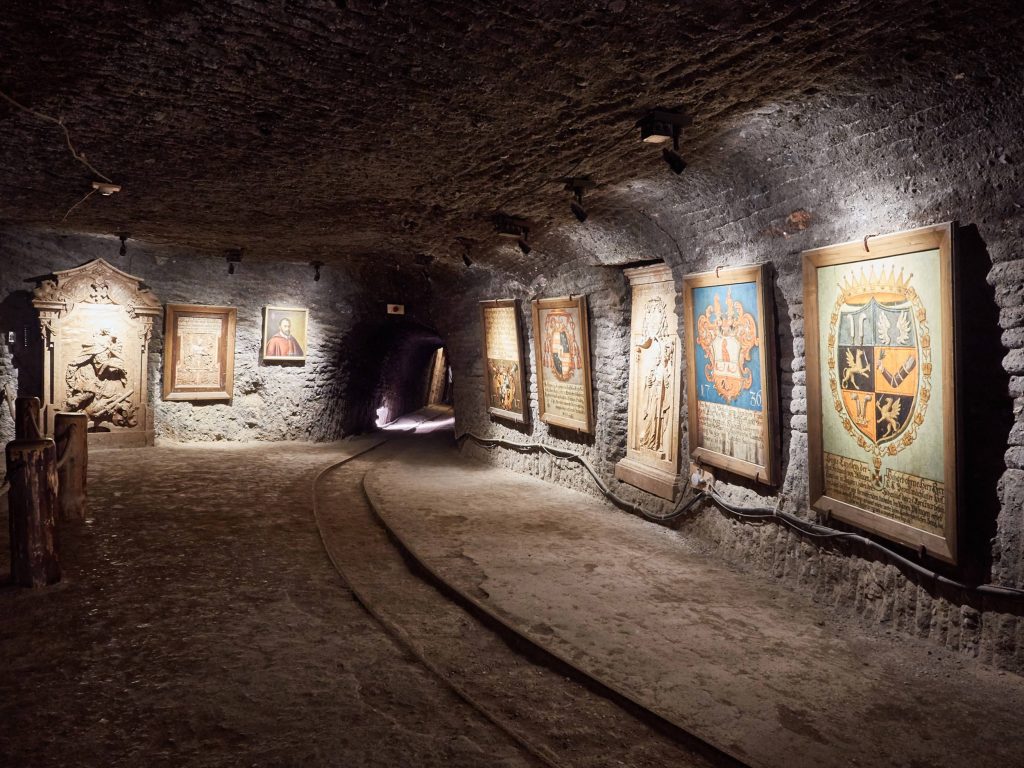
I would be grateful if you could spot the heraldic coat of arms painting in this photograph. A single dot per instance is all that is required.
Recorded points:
(562, 348)
(730, 346)
(881, 420)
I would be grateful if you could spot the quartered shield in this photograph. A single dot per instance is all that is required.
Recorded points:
(878, 365)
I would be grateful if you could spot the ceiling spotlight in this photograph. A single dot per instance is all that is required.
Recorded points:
(106, 189)
(123, 236)
(660, 126)
(511, 227)
(577, 185)
(316, 270)
(524, 246)
(466, 260)
(674, 160)
(233, 257)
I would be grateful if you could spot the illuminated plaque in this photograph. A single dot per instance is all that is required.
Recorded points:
(880, 396)
(504, 377)
(731, 377)
(562, 349)
(199, 352)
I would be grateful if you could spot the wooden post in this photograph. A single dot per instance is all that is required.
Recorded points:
(32, 507)
(71, 434)
(26, 418)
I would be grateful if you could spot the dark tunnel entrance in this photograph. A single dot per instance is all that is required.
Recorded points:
(396, 367)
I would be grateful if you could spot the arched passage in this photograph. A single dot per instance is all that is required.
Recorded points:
(397, 367)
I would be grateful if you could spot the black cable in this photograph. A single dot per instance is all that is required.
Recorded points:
(801, 526)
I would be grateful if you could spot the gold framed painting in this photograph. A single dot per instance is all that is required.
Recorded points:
(730, 381)
(504, 378)
(881, 399)
(199, 352)
(284, 334)
(562, 348)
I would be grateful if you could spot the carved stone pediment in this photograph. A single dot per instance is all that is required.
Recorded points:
(96, 323)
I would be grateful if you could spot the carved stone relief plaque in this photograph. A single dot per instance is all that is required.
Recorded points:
(652, 450)
(96, 323)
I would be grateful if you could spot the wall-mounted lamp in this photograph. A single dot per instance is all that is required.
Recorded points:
(233, 257)
(524, 246)
(577, 185)
(123, 236)
(106, 189)
(511, 227)
(661, 126)
(316, 270)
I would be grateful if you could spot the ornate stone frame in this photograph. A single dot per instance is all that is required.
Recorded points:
(96, 284)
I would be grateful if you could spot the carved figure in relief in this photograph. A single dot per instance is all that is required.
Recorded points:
(727, 338)
(97, 382)
(656, 398)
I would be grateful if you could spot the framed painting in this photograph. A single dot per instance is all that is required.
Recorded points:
(199, 352)
(504, 378)
(881, 402)
(562, 348)
(284, 334)
(730, 379)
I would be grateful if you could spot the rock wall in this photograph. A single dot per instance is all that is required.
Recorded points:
(318, 400)
(789, 176)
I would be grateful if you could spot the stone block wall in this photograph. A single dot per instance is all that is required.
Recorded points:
(318, 400)
(783, 178)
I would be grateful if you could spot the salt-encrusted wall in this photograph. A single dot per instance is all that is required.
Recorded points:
(313, 401)
(812, 171)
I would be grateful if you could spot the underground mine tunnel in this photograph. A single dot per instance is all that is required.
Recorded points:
(612, 383)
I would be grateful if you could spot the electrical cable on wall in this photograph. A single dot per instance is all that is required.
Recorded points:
(107, 188)
(803, 527)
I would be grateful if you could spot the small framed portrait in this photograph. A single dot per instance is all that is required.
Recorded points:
(284, 334)
(199, 352)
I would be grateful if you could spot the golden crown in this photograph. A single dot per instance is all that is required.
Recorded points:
(882, 284)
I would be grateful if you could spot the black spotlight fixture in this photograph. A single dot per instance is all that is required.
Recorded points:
(123, 237)
(674, 160)
(234, 257)
(660, 126)
(316, 270)
(577, 185)
(524, 246)
(511, 227)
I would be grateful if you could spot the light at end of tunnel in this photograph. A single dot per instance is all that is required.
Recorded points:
(383, 416)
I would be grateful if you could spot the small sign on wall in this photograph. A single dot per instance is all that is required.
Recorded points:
(396, 309)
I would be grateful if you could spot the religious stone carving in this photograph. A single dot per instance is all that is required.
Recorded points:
(652, 449)
(96, 323)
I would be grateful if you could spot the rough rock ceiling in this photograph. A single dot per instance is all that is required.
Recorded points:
(394, 130)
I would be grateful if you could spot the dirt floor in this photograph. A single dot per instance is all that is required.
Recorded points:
(200, 623)
(735, 659)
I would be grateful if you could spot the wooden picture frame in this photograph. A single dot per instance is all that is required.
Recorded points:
(732, 402)
(199, 352)
(282, 344)
(504, 374)
(881, 399)
(561, 342)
